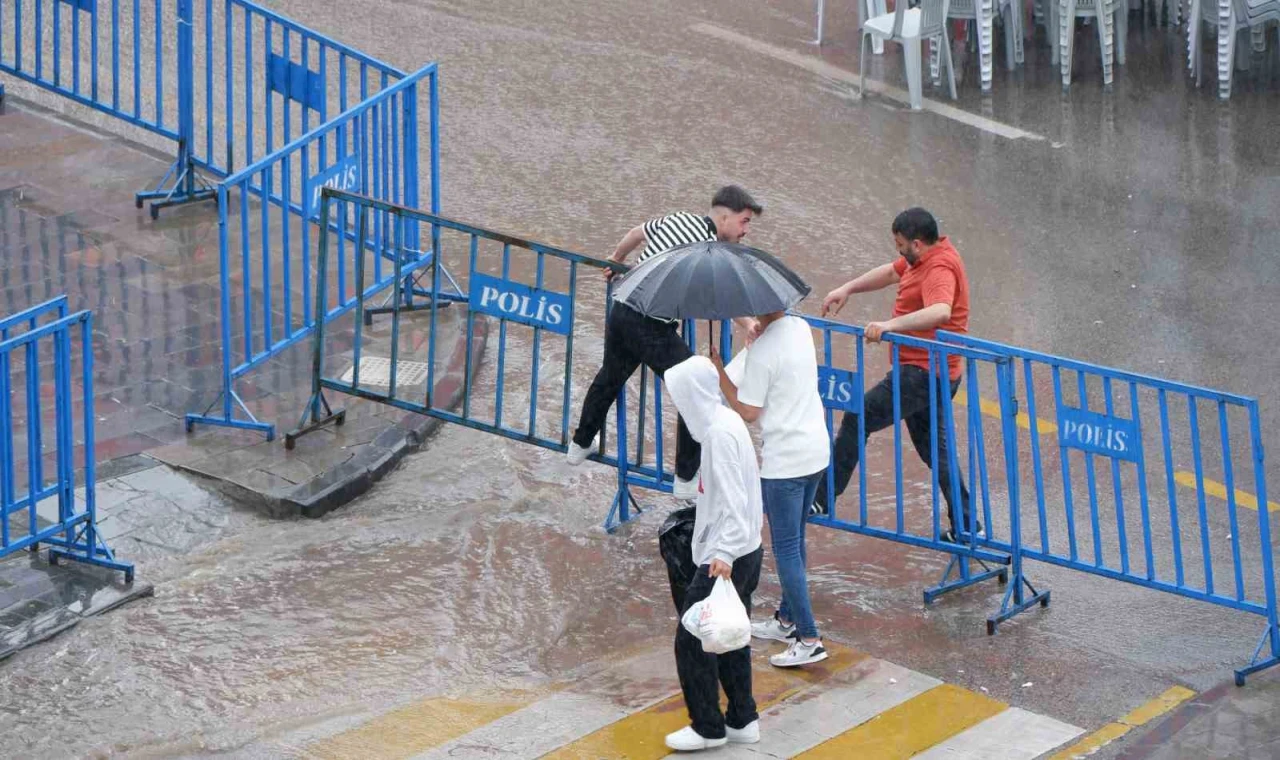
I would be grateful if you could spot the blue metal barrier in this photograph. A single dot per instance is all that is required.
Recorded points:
(37, 364)
(266, 214)
(841, 378)
(534, 292)
(228, 81)
(537, 296)
(114, 59)
(1098, 423)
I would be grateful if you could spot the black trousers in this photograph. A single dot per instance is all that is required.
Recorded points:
(914, 402)
(702, 675)
(632, 339)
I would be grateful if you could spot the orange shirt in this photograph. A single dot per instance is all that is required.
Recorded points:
(938, 277)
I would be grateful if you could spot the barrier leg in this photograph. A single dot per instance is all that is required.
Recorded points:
(623, 501)
(90, 552)
(313, 418)
(228, 420)
(410, 287)
(964, 578)
(187, 187)
(1017, 600)
(1273, 656)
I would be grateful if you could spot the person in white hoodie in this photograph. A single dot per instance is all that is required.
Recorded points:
(726, 544)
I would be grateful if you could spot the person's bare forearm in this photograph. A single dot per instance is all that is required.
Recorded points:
(629, 243)
(927, 318)
(730, 393)
(877, 279)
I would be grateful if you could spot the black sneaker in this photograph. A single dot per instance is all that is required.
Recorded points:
(952, 537)
(817, 510)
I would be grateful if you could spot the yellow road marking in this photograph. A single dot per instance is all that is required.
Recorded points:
(410, 730)
(640, 736)
(911, 727)
(1218, 490)
(1139, 717)
(1182, 477)
(992, 409)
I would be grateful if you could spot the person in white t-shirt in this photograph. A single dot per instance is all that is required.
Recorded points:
(775, 381)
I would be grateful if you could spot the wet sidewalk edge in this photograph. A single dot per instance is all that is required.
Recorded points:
(337, 486)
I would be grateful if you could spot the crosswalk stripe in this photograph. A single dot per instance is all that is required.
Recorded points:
(405, 732)
(911, 727)
(532, 732)
(1014, 734)
(640, 735)
(849, 699)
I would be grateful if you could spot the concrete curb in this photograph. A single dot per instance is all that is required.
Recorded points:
(337, 486)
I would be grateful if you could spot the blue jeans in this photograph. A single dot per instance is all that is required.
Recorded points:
(786, 503)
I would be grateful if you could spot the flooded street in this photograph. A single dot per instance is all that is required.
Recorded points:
(1134, 228)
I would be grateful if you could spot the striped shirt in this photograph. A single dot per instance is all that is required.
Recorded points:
(667, 232)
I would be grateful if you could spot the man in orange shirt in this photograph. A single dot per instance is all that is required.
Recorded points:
(933, 294)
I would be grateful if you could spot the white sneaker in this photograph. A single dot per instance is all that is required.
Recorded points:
(773, 629)
(800, 653)
(685, 489)
(748, 734)
(578, 454)
(688, 740)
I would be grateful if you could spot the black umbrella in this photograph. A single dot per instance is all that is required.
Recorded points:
(710, 280)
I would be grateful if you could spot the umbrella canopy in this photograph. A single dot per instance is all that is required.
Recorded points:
(710, 280)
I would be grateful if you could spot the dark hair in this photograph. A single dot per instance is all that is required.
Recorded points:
(916, 224)
(736, 199)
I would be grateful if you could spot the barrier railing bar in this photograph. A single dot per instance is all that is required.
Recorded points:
(1118, 493)
(89, 103)
(431, 338)
(1143, 499)
(1194, 419)
(35, 447)
(397, 263)
(115, 54)
(568, 358)
(897, 443)
(862, 439)
(471, 322)
(502, 344)
(1091, 477)
(288, 24)
(537, 353)
(1229, 477)
(1079, 366)
(1067, 500)
(1171, 485)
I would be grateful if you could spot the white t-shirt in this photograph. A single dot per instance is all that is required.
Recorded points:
(779, 373)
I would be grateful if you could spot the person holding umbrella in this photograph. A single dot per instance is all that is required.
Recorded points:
(633, 338)
(775, 382)
(779, 387)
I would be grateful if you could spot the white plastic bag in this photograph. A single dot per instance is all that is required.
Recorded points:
(720, 621)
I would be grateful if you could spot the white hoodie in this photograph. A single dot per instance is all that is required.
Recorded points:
(730, 509)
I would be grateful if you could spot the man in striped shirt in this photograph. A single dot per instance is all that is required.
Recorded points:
(632, 339)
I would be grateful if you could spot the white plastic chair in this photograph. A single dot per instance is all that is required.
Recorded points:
(976, 11)
(1229, 18)
(908, 27)
(1112, 18)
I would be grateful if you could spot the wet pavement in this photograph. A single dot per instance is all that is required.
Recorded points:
(1138, 232)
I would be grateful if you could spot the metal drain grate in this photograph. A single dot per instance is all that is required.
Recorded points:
(375, 370)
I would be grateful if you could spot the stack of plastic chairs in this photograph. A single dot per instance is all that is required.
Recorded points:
(974, 11)
(1228, 18)
(1112, 17)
